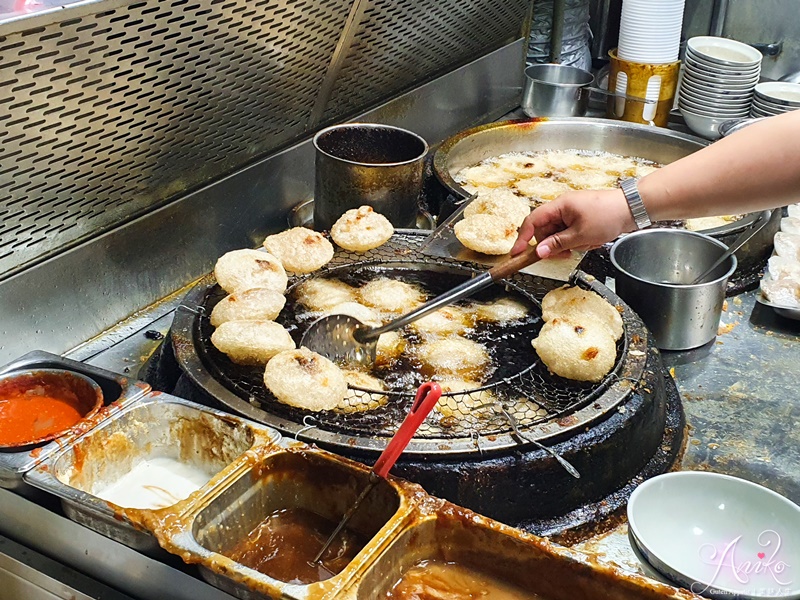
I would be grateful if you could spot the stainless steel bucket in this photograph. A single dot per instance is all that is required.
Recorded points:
(556, 91)
(368, 163)
(654, 268)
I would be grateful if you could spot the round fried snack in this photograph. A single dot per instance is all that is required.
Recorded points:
(579, 305)
(485, 175)
(454, 356)
(501, 203)
(251, 342)
(300, 250)
(361, 229)
(583, 352)
(256, 304)
(524, 165)
(241, 270)
(391, 295)
(448, 320)
(501, 311)
(363, 313)
(305, 379)
(488, 234)
(357, 400)
(389, 347)
(541, 188)
(465, 404)
(324, 294)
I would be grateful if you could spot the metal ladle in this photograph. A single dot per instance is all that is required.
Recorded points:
(740, 241)
(343, 338)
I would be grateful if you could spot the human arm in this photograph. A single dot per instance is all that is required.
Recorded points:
(753, 169)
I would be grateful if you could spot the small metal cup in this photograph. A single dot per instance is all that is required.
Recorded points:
(556, 91)
(654, 268)
(368, 164)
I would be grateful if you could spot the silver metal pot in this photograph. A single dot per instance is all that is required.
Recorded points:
(655, 268)
(556, 91)
(368, 164)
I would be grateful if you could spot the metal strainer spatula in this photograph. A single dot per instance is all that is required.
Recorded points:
(343, 338)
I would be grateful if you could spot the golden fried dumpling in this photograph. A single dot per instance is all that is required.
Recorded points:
(454, 356)
(359, 400)
(361, 229)
(323, 294)
(363, 313)
(299, 249)
(255, 304)
(448, 320)
(251, 342)
(580, 305)
(502, 203)
(501, 311)
(485, 175)
(305, 379)
(523, 165)
(391, 295)
(241, 270)
(541, 189)
(488, 234)
(389, 347)
(583, 351)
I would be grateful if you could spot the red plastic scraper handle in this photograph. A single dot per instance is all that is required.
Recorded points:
(428, 395)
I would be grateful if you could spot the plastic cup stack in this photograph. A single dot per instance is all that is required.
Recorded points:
(718, 81)
(650, 31)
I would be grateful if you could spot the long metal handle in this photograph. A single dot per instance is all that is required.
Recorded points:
(743, 238)
(501, 271)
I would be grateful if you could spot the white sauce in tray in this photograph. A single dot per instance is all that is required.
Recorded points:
(155, 483)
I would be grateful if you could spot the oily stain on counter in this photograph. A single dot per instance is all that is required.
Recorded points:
(284, 545)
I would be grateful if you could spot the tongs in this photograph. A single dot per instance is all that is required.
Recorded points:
(343, 338)
(427, 396)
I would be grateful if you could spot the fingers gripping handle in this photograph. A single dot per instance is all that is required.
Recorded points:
(428, 395)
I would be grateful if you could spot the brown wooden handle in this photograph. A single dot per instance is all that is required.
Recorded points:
(514, 264)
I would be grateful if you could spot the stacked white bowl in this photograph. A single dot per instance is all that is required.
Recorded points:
(775, 97)
(650, 31)
(717, 84)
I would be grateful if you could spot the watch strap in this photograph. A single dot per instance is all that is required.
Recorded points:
(635, 204)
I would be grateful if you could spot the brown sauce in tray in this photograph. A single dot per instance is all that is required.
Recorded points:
(436, 580)
(283, 545)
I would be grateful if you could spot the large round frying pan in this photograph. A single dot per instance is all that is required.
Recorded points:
(628, 139)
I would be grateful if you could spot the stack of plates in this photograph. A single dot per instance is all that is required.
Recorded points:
(775, 97)
(718, 80)
(650, 31)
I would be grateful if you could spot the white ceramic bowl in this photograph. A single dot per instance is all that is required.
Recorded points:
(710, 109)
(723, 51)
(704, 65)
(718, 535)
(704, 81)
(779, 92)
(706, 126)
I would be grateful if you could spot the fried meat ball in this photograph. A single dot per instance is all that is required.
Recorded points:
(361, 229)
(579, 305)
(357, 400)
(300, 250)
(256, 304)
(363, 313)
(501, 311)
(391, 295)
(449, 320)
(501, 203)
(454, 356)
(488, 234)
(324, 294)
(305, 379)
(251, 342)
(583, 352)
(241, 270)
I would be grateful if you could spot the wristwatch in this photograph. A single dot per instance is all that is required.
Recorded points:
(639, 212)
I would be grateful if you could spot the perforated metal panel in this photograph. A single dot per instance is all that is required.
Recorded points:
(399, 43)
(110, 109)
(107, 115)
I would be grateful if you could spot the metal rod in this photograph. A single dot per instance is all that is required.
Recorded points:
(557, 31)
(718, 15)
